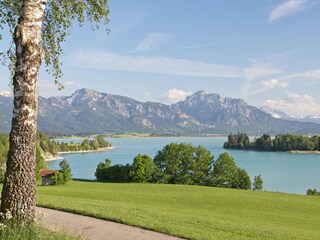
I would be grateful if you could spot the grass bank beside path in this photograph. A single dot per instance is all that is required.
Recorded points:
(36, 232)
(191, 212)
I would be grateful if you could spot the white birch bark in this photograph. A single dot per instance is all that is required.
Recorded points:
(19, 189)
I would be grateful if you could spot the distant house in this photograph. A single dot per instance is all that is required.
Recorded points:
(46, 176)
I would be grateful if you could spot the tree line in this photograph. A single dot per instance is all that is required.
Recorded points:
(313, 192)
(46, 145)
(180, 164)
(4, 148)
(53, 147)
(282, 142)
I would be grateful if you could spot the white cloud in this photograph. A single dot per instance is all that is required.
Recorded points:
(311, 76)
(174, 95)
(270, 84)
(72, 84)
(203, 45)
(295, 104)
(260, 71)
(260, 68)
(152, 41)
(47, 89)
(308, 75)
(289, 7)
(146, 64)
(147, 93)
(264, 67)
(5, 93)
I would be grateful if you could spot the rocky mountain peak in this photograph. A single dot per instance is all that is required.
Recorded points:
(82, 96)
(89, 111)
(87, 93)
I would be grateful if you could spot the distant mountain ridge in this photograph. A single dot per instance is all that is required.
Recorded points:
(283, 115)
(88, 111)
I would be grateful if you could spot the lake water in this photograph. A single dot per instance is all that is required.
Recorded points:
(280, 171)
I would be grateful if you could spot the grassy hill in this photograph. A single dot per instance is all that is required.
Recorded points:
(192, 212)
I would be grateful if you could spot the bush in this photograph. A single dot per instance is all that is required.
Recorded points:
(101, 171)
(313, 192)
(58, 179)
(117, 173)
(64, 175)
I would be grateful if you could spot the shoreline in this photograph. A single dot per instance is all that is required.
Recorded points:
(144, 136)
(304, 152)
(52, 158)
(291, 151)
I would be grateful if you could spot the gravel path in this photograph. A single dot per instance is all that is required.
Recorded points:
(96, 229)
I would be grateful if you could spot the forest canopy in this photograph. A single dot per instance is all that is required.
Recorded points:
(283, 142)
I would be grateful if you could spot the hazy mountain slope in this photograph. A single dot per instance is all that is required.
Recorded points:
(283, 115)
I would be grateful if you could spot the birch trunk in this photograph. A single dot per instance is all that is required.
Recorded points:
(19, 189)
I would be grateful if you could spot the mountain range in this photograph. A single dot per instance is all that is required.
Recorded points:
(87, 111)
(283, 115)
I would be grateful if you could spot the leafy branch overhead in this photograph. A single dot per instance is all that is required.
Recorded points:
(60, 16)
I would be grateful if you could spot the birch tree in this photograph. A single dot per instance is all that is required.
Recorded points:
(38, 28)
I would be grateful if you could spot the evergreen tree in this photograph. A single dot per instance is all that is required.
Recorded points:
(65, 171)
(258, 183)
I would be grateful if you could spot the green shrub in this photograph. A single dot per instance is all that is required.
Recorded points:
(313, 192)
(117, 173)
(58, 179)
(64, 175)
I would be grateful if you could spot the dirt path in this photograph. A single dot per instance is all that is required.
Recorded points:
(96, 229)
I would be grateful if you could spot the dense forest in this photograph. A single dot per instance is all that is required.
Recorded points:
(4, 148)
(284, 142)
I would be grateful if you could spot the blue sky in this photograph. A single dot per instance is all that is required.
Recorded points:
(267, 52)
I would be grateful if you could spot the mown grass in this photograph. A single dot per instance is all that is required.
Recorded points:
(192, 212)
(34, 232)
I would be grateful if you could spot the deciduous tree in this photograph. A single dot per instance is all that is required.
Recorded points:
(38, 27)
(142, 169)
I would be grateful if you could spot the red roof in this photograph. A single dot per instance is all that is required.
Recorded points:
(47, 173)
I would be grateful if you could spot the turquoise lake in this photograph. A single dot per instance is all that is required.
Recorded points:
(280, 171)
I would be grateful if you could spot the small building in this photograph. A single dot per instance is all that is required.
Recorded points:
(46, 176)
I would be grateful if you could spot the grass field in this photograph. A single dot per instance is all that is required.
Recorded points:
(190, 211)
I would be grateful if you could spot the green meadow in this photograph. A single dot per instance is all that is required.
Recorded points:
(192, 212)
